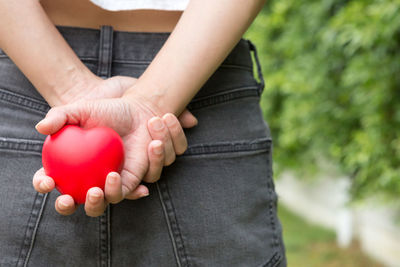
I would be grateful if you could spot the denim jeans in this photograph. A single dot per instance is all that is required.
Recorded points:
(214, 206)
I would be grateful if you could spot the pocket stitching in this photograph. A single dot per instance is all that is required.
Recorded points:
(273, 261)
(222, 97)
(31, 229)
(21, 100)
(26, 145)
(259, 144)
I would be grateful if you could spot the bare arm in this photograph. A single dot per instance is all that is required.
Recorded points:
(34, 44)
(207, 31)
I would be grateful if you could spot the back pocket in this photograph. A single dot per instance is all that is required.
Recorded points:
(220, 201)
(20, 204)
(19, 115)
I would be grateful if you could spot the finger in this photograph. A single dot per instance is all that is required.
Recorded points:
(95, 203)
(136, 159)
(65, 205)
(53, 121)
(42, 183)
(140, 192)
(158, 131)
(156, 160)
(176, 132)
(113, 188)
(129, 182)
(57, 117)
(187, 120)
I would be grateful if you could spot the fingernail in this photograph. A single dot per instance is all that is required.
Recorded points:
(63, 205)
(112, 179)
(44, 185)
(158, 125)
(94, 197)
(39, 123)
(169, 120)
(145, 194)
(158, 149)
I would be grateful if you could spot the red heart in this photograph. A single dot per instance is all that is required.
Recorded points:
(79, 159)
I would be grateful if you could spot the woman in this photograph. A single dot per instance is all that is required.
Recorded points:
(214, 206)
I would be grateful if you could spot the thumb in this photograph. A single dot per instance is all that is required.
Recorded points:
(187, 120)
(56, 118)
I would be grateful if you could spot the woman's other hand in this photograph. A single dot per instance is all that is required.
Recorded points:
(135, 123)
(116, 86)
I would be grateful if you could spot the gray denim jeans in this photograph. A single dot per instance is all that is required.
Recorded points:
(214, 206)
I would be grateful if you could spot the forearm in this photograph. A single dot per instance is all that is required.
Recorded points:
(207, 31)
(30, 39)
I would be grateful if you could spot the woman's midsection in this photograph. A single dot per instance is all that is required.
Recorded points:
(83, 13)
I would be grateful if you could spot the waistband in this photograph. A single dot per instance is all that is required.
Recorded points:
(135, 47)
(141, 47)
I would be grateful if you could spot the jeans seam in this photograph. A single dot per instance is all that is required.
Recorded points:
(259, 144)
(277, 257)
(24, 243)
(273, 261)
(223, 97)
(31, 229)
(178, 262)
(25, 145)
(132, 62)
(147, 62)
(173, 221)
(94, 59)
(109, 234)
(236, 66)
(104, 235)
(21, 100)
(104, 71)
(272, 205)
(103, 245)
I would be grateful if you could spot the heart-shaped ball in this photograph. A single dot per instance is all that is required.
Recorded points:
(79, 159)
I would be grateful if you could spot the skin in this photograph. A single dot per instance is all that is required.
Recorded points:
(129, 121)
(166, 141)
(61, 75)
(86, 14)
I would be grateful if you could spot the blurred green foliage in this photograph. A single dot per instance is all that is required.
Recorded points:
(310, 245)
(332, 70)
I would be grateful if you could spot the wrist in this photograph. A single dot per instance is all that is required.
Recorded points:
(134, 98)
(150, 95)
(72, 86)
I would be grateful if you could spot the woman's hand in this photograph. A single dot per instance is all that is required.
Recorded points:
(130, 120)
(159, 153)
(97, 88)
(116, 86)
(162, 129)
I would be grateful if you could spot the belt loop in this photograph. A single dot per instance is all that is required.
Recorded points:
(105, 51)
(259, 70)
